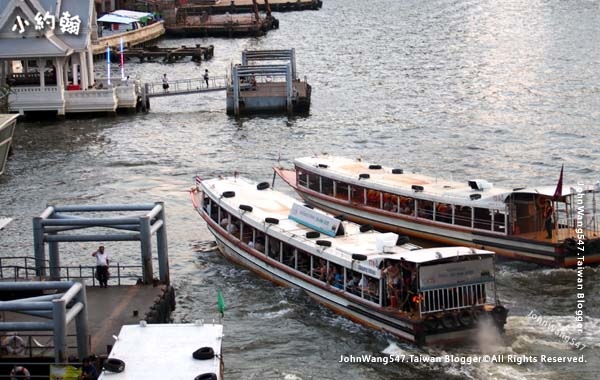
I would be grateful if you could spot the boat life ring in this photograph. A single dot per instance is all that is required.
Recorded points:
(204, 353)
(19, 372)
(14, 344)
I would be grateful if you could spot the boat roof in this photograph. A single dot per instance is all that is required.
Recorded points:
(6, 118)
(275, 204)
(4, 222)
(164, 351)
(434, 189)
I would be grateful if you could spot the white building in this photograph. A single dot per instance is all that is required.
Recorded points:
(46, 59)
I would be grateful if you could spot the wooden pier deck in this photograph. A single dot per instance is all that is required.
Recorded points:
(198, 53)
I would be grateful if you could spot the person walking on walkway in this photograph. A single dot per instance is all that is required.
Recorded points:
(165, 82)
(101, 266)
(206, 77)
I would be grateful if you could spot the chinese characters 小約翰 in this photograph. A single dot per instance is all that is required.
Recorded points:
(67, 23)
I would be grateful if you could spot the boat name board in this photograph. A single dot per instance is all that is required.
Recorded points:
(315, 220)
(450, 274)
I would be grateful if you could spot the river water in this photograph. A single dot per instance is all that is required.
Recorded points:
(506, 91)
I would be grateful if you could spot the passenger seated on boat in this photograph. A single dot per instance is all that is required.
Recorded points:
(259, 244)
(320, 271)
(352, 283)
(392, 276)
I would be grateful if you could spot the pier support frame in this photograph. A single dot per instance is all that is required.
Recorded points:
(59, 308)
(51, 225)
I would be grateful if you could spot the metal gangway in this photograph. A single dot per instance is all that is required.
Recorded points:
(185, 86)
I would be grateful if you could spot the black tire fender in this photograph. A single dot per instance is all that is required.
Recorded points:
(228, 194)
(323, 243)
(366, 227)
(263, 186)
(312, 234)
(204, 353)
(246, 208)
(114, 365)
(272, 220)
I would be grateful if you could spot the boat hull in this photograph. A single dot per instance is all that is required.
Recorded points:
(411, 330)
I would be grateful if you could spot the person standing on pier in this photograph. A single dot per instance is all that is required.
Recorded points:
(101, 266)
(206, 77)
(165, 81)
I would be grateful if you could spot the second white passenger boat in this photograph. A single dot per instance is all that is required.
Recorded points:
(426, 296)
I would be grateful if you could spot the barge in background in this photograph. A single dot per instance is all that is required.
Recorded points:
(511, 222)
(425, 296)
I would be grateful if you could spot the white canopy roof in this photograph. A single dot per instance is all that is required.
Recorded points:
(117, 19)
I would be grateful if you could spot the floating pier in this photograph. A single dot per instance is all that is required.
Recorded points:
(197, 53)
(267, 88)
(146, 34)
(194, 21)
(40, 298)
(231, 6)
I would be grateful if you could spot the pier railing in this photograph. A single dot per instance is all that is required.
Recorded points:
(23, 268)
(186, 86)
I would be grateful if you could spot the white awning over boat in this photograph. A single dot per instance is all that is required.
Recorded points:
(116, 19)
(132, 14)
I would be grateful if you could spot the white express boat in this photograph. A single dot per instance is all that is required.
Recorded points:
(166, 351)
(511, 222)
(426, 296)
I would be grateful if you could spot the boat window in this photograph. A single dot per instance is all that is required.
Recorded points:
(390, 202)
(319, 270)
(233, 227)
(443, 212)
(303, 262)
(357, 194)
(274, 248)
(424, 209)
(313, 182)
(205, 201)
(326, 186)
(341, 190)
(301, 177)
(370, 288)
(462, 216)
(483, 219)
(374, 198)
(335, 276)
(214, 211)
(247, 232)
(288, 254)
(352, 280)
(407, 206)
(499, 221)
(259, 241)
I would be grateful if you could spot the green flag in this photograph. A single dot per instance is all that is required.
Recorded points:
(220, 303)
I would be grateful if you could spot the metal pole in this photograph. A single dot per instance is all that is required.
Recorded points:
(38, 247)
(146, 247)
(288, 85)
(236, 92)
(54, 260)
(81, 324)
(293, 54)
(60, 330)
(162, 246)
